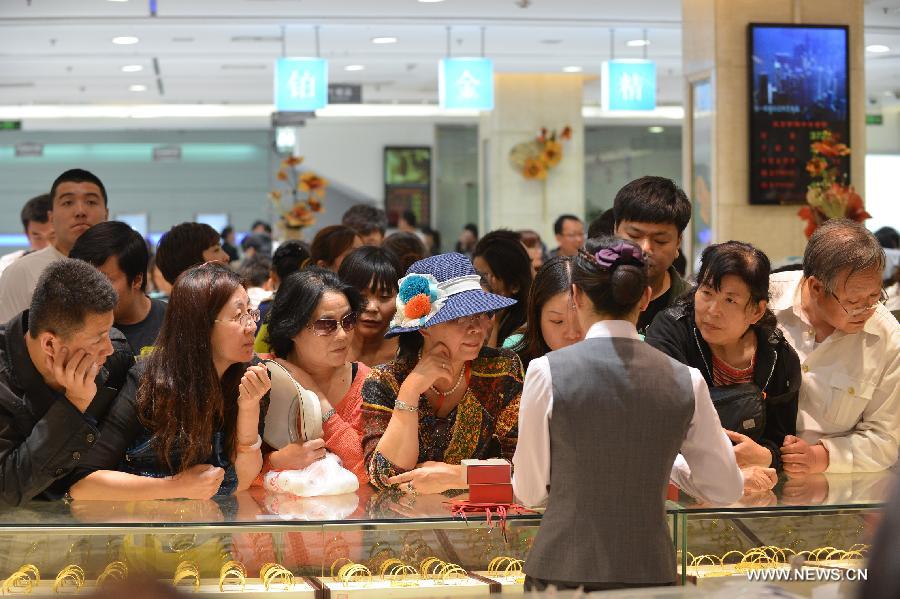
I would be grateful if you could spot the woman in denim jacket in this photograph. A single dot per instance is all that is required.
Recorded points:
(192, 429)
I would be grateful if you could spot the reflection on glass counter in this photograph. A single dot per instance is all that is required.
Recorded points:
(398, 543)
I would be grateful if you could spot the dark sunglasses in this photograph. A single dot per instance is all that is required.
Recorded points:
(328, 326)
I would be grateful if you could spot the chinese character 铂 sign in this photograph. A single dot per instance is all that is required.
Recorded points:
(467, 83)
(628, 85)
(301, 84)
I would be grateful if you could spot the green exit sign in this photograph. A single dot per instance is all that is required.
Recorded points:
(874, 119)
(10, 125)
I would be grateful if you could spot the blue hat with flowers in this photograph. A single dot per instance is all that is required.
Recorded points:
(438, 289)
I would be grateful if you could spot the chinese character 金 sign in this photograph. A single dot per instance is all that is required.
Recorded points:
(628, 85)
(301, 84)
(798, 90)
(466, 83)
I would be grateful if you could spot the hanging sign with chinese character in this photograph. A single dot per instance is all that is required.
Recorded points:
(301, 84)
(467, 83)
(628, 85)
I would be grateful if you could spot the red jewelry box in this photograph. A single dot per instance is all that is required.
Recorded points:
(487, 472)
(491, 493)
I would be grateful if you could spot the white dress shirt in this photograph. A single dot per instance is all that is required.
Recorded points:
(20, 278)
(713, 472)
(850, 395)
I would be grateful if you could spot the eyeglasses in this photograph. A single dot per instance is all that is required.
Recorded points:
(245, 319)
(857, 311)
(474, 319)
(328, 326)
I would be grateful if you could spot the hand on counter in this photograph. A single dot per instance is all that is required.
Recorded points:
(758, 480)
(802, 458)
(805, 490)
(156, 511)
(430, 477)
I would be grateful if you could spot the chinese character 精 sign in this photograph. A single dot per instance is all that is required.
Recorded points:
(301, 84)
(628, 85)
(467, 83)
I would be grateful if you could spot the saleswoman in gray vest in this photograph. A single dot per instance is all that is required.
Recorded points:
(600, 424)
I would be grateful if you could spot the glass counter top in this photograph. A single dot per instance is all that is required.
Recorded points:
(816, 492)
(367, 507)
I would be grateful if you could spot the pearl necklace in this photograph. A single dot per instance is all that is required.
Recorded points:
(442, 394)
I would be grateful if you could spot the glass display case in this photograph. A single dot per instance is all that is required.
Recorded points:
(389, 544)
(822, 520)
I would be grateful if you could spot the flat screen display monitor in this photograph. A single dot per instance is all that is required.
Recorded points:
(798, 91)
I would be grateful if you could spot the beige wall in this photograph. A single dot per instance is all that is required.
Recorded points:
(714, 41)
(522, 105)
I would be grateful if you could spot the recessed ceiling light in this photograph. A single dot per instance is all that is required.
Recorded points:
(132, 68)
(877, 48)
(384, 40)
(551, 42)
(637, 43)
(572, 69)
(125, 40)
(354, 67)
(137, 88)
(655, 129)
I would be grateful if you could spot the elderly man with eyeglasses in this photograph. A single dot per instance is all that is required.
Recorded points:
(833, 314)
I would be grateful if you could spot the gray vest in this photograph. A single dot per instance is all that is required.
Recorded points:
(621, 410)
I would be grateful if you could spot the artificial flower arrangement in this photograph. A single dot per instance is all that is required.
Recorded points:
(418, 299)
(536, 157)
(299, 198)
(829, 196)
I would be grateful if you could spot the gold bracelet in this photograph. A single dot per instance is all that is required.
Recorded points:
(431, 568)
(451, 571)
(271, 572)
(19, 582)
(352, 572)
(71, 575)
(333, 564)
(187, 570)
(232, 572)
(115, 571)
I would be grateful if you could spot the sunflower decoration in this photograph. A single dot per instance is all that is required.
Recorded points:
(535, 158)
(301, 196)
(829, 196)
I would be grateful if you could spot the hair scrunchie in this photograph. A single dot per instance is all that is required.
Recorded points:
(620, 254)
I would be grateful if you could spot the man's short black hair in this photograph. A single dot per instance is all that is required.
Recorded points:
(653, 200)
(261, 223)
(255, 270)
(67, 293)
(182, 247)
(35, 210)
(77, 175)
(365, 219)
(603, 225)
(260, 242)
(558, 224)
(113, 238)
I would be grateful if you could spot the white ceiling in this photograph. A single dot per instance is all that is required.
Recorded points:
(222, 51)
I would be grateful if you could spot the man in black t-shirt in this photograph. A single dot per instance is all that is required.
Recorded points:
(119, 252)
(653, 213)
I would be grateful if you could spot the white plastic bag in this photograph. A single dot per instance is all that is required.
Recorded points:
(291, 507)
(322, 477)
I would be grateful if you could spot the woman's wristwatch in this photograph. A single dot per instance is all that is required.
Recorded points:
(327, 415)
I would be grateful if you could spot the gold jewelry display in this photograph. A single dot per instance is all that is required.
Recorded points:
(187, 571)
(114, 572)
(736, 562)
(70, 576)
(353, 572)
(507, 567)
(272, 573)
(22, 581)
(398, 573)
(453, 572)
(232, 572)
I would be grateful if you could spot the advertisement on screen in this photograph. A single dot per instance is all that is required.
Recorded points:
(799, 89)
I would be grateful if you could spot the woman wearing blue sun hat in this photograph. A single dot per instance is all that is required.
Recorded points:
(446, 397)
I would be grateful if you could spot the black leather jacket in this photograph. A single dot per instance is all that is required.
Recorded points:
(777, 370)
(43, 437)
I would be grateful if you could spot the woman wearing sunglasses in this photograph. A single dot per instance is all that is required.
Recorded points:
(191, 421)
(446, 397)
(311, 326)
